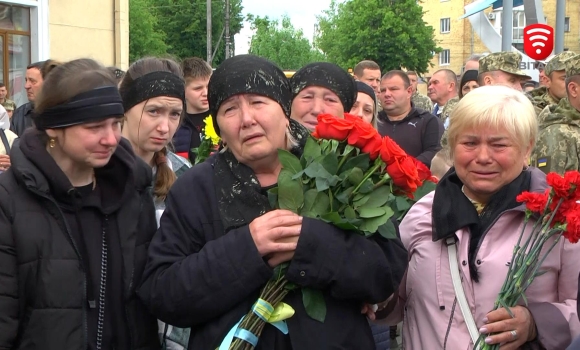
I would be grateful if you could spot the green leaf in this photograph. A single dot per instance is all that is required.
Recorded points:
(316, 203)
(312, 149)
(361, 161)
(316, 170)
(332, 217)
(330, 163)
(289, 161)
(347, 150)
(425, 189)
(322, 184)
(349, 213)
(388, 230)
(360, 199)
(334, 145)
(290, 193)
(366, 187)
(402, 203)
(365, 212)
(378, 197)
(314, 303)
(355, 176)
(372, 225)
(344, 196)
(273, 197)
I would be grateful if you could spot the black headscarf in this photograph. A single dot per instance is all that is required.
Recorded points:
(247, 74)
(365, 88)
(468, 75)
(327, 75)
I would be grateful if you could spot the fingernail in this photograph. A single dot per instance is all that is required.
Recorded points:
(485, 320)
(483, 330)
(487, 340)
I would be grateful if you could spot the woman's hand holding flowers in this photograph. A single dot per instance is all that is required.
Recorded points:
(276, 235)
(511, 332)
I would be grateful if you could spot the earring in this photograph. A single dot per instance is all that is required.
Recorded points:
(51, 143)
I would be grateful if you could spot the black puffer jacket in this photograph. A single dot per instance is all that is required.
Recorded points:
(44, 278)
(22, 118)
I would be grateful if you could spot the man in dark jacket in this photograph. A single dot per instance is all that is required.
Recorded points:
(416, 131)
(22, 117)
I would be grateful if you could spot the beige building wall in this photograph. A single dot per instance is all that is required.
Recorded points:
(463, 40)
(97, 29)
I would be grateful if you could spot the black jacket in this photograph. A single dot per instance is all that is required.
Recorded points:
(418, 134)
(51, 248)
(22, 118)
(197, 276)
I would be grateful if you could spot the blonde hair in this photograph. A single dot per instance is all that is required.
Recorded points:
(441, 163)
(497, 107)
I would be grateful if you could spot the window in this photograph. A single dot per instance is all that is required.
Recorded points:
(445, 25)
(444, 58)
(567, 24)
(518, 26)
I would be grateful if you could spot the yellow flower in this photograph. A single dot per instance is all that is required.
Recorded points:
(209, 131)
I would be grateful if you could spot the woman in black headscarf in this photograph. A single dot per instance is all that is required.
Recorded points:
(321, 88)
(219, 238)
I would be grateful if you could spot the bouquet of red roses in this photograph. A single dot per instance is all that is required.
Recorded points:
(555, 213)
(349, 176)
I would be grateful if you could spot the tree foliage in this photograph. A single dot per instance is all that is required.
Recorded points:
(182, 25)
(281, 43)
(145, 38)
(389, 32)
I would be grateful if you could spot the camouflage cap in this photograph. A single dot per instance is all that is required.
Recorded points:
(573, 66)
(557, 62)
(508, 62)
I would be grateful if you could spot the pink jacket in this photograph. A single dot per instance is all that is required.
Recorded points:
(431, 320)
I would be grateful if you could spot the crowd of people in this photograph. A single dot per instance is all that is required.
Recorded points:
(110, 238)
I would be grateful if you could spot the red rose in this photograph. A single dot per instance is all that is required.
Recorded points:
(573, 177)
(572, 232)
(535, 202)
(373, 146)
(404, 174)
(424, 172)
(361, 133)
(331, 127)
(390, 151)
(560, 186)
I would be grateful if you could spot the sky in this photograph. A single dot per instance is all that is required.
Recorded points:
(302, 13)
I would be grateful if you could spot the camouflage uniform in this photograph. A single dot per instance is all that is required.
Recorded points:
(508, 62)
(422, 101)
(448, 108)
(558, 145)
(540, 97)
(9, 105)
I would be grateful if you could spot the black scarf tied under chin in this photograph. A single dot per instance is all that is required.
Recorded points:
(452, 211)
(239, 193)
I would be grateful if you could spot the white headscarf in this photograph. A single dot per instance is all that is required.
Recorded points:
(4, 119)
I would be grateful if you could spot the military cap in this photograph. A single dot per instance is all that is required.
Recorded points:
(557, 62)
(508, 62)
(573, 66)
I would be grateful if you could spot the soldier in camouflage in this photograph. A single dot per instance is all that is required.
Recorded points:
(419, 100)
(555, 88)
(558, 145)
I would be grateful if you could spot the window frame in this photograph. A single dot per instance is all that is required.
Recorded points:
(445, 53)
(442, 26)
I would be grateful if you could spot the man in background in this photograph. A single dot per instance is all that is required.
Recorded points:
(22, 118)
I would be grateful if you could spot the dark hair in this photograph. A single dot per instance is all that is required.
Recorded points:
(412, 72)
(2, 85)
(70, 79)
(165, 176)
(38, 65)
(194, 68)
(47, 67)
(366, 64)
(398, 73)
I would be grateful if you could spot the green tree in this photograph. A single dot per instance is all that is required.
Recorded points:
(145, 37)
(281, 43)
(389, 32)
(184, 22)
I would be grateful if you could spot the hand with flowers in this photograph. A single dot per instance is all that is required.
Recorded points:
(503, 327)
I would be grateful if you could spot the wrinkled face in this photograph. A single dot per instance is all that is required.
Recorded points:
(440, 90)
(371, 77)
(151, 124)
(506, 79)
(414, 81)
(467, 87)
(486, 160)
(556, 83)
(88, 145)
(33, 83)
(253, 127)
(196, 95)
(395, 97)
(312, 101)
(3, 92)
(364, 107)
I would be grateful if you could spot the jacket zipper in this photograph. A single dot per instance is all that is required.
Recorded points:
(67, 228)
(103, 286)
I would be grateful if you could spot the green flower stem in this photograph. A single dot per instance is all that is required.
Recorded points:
(342, 161)
(538, 264)
(368, 174)
(386, 177)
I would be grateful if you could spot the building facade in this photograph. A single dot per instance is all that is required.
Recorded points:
(35, 30)
(459, 39)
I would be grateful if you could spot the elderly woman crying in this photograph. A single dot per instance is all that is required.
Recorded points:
(219, 239)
